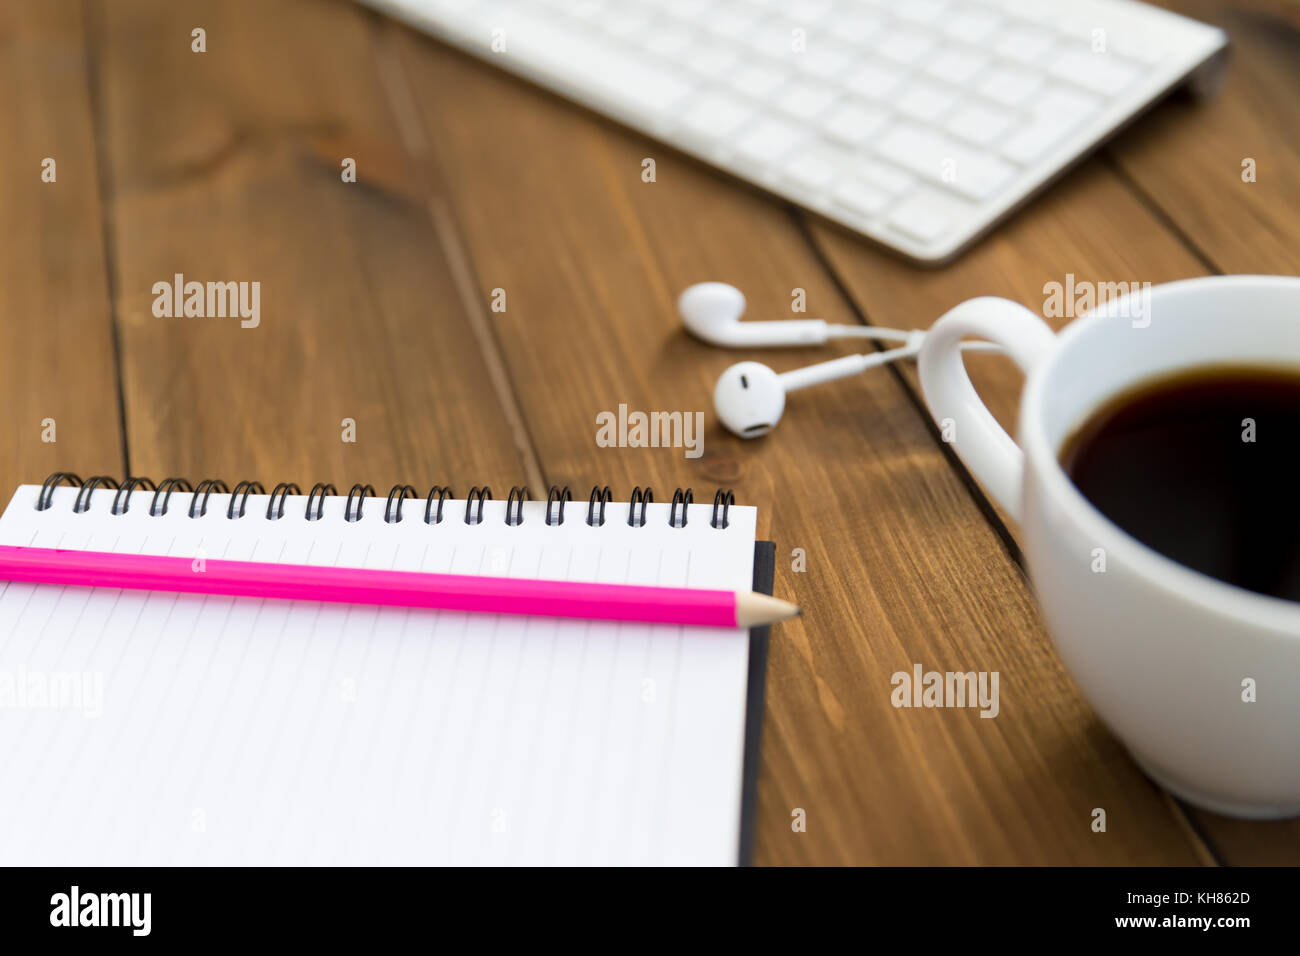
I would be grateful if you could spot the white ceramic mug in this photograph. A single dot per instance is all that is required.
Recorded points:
(1163, 653)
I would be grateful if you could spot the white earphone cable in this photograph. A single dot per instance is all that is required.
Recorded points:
(912, 337)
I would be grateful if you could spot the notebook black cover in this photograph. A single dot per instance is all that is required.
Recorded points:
(764, 573)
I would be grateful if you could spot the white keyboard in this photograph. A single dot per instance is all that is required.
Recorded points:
(918, 123)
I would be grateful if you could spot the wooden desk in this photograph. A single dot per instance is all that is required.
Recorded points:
(376, 306)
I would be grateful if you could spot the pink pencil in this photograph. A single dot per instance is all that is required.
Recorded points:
(447, 592)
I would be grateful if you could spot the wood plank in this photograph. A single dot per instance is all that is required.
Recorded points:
(1098, 227)
(1089, 226)
(235, 175)
(1187, 158)
(1188, 154)
(55, 321)
(901, 567)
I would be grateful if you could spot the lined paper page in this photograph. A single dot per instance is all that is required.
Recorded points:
(155, 728)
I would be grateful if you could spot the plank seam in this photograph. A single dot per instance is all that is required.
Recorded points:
(976, 493)
(400, 97)
(1159, 213)
(104, 190)
(1200, 843)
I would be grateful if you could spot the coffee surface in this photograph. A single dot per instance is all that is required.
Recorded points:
(1204, 467)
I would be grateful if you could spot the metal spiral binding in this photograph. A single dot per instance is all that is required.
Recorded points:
(324, 490)
(82, 504)
(638, 497)
(683, 499)
(602, 495)
(315, 505)
(723, 499)
(165, 488)
(518, 495)
(480, 495)
(52, 482)
(430, 517)
(561, 495)
(284, 490)
(360, 493)
(401, 493)
(127, 488)
(248, 488)
(205, 488)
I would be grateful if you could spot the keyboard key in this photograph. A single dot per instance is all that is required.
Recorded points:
(925, 101)
(904, 46)
(775, 38)
(1146, 49)
(862, 197)
(817, 166)
(920, 11)
(1010, 86)
(710, 59)
(690, 10)
(875, 80)
(938, 158)
(716, 114)
(769, 139)
(923, 216)
(729, 23)
(916, 148)
(624, 21)
(605, 73)
(977, 176)
(885, 178)
(971, 26)
(1034, 11)
(853, 123)
(1103, 73)
(857, 26)
(955, 66)
(585, 9)
(806, 100)
(665, 42)
(1025, 44)
(978, 124)
(823, 58)
(758, 80)
(1081, 26)
(807, 11)
(1058, 100)
(1031, 143)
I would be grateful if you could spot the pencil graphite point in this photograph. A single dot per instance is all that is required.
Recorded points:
(755, 610)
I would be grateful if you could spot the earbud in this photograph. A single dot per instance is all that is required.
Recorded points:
(750, 398)
(712, 311)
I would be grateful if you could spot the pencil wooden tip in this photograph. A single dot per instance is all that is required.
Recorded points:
(755, 610)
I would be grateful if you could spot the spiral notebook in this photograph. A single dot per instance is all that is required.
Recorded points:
(159, 728)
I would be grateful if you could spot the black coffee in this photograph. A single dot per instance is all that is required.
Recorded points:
(1204, 467)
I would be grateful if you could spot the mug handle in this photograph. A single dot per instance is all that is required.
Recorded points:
(985, 447)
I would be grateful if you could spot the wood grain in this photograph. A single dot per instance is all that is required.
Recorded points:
(375, 306)
(1090, 226)
(57, 356)
(1164, 201)
(902, 567)
(1186, 159)
(235, 174)
(1187, 156)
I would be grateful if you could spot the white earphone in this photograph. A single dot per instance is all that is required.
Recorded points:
(750, 397)
(712, 311)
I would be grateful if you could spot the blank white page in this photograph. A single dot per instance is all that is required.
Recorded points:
(157, 728)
